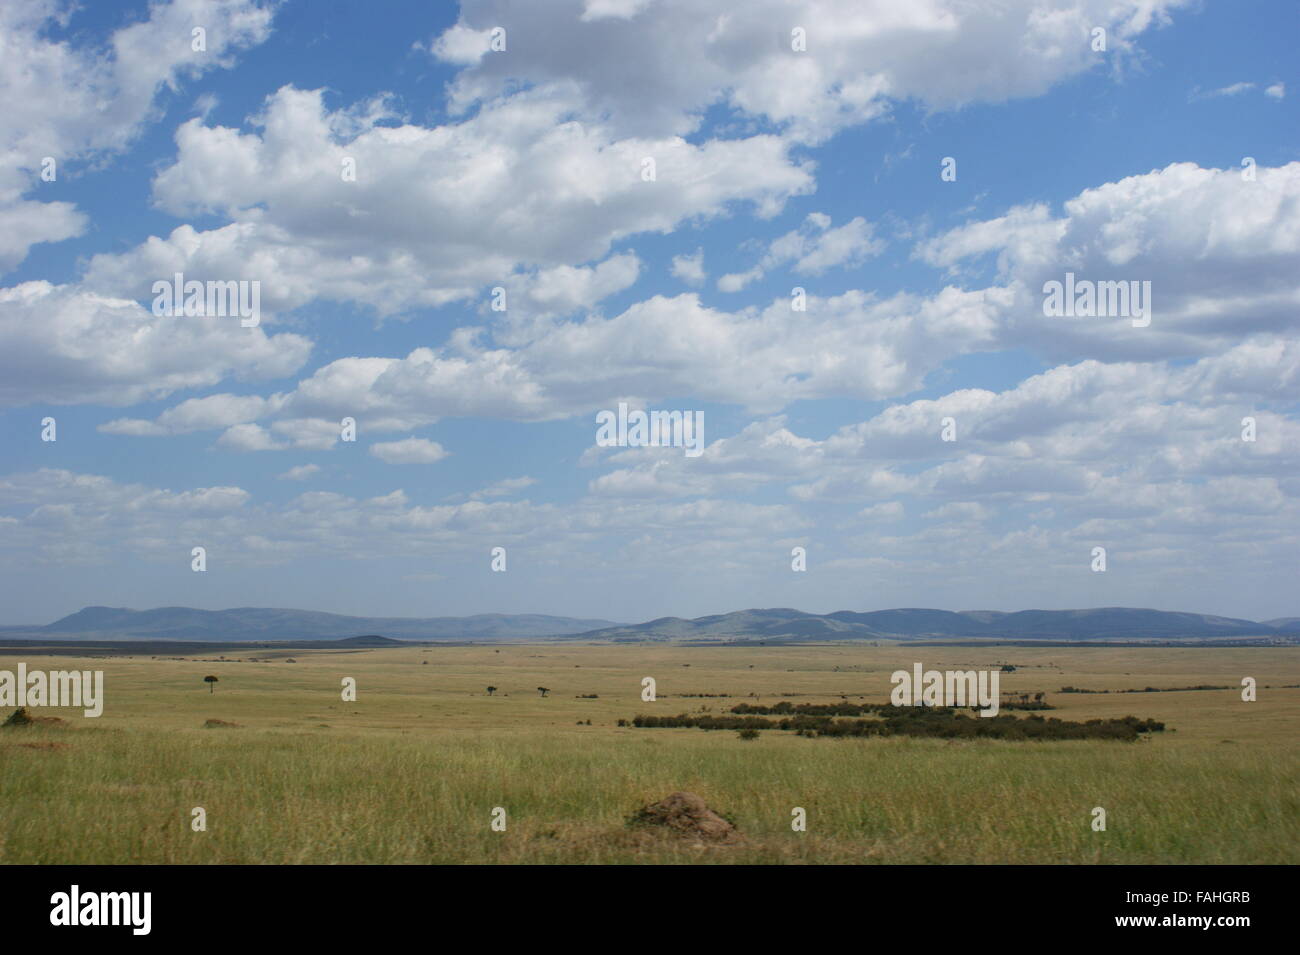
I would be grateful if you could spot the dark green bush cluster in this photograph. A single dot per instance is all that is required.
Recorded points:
(1033, 705)
(1147, 689)
(953, 725)
(929, 721)
(707, 722)
(786, 708)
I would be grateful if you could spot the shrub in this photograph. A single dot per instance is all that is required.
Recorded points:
(935, 722)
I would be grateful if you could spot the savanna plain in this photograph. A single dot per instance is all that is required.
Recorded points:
(411, 772)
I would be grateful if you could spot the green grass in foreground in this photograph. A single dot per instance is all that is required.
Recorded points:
(410, 773)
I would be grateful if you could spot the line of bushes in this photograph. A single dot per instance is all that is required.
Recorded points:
(844, 708)
(931, 722)
(786, 708)
(1032, 705)
(1147, 689)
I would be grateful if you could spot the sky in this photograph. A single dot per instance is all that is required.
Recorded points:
(824, 228)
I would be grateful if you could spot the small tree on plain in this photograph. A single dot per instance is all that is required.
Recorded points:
(211, 681)
(543, 690)
(491, 690)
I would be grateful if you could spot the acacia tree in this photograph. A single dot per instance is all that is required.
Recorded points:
(491, 690)
(543, 690)
(211, 681)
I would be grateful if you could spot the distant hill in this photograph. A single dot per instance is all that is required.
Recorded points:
(1104, 623)
(1285, 624)
(260, 623)
(250, 624)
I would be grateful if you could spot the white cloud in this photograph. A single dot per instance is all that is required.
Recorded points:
(198, 414)
(736, 281)
(849, 345)
(248, 437)
(884, 511)
(1218, 250)
(812, 249)
(690, 268)
(409, 451)
(24, 224)
(503, 488)
(687, 55)
(517, 187)
(564, 289)
(72, 102)
(1064, 435)
(1273, 91)
(535, 298)
(300, 473)
(62, 345)
(613, 9)
(1236, 89)
(64, 518)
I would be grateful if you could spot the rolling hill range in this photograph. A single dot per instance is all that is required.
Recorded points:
(1105, 623)
(256, 623)
(249, 624)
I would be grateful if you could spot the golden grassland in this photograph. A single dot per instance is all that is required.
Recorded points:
(411, 771)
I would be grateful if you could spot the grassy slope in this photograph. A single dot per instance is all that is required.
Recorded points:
(411, 772)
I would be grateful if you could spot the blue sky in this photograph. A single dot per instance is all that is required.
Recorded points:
(521, 169)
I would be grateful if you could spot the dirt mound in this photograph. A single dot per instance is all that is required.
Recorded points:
(219, 724)
(20, 717)
(686, 814)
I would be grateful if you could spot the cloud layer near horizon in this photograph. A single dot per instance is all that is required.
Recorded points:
(532, 188)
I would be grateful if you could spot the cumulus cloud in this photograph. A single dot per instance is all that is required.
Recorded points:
(62, 517)
(63, 345)
(690, 268)
(197, 414)
(1070, 431)
(1218, 249)
(515, 188)
(409, 451)
(812, 249)
(72, 101)
(859, 55)
(302, 434)
(1130, 437)
(851, 345)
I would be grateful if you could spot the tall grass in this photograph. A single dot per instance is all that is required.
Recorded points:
(412, 771)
